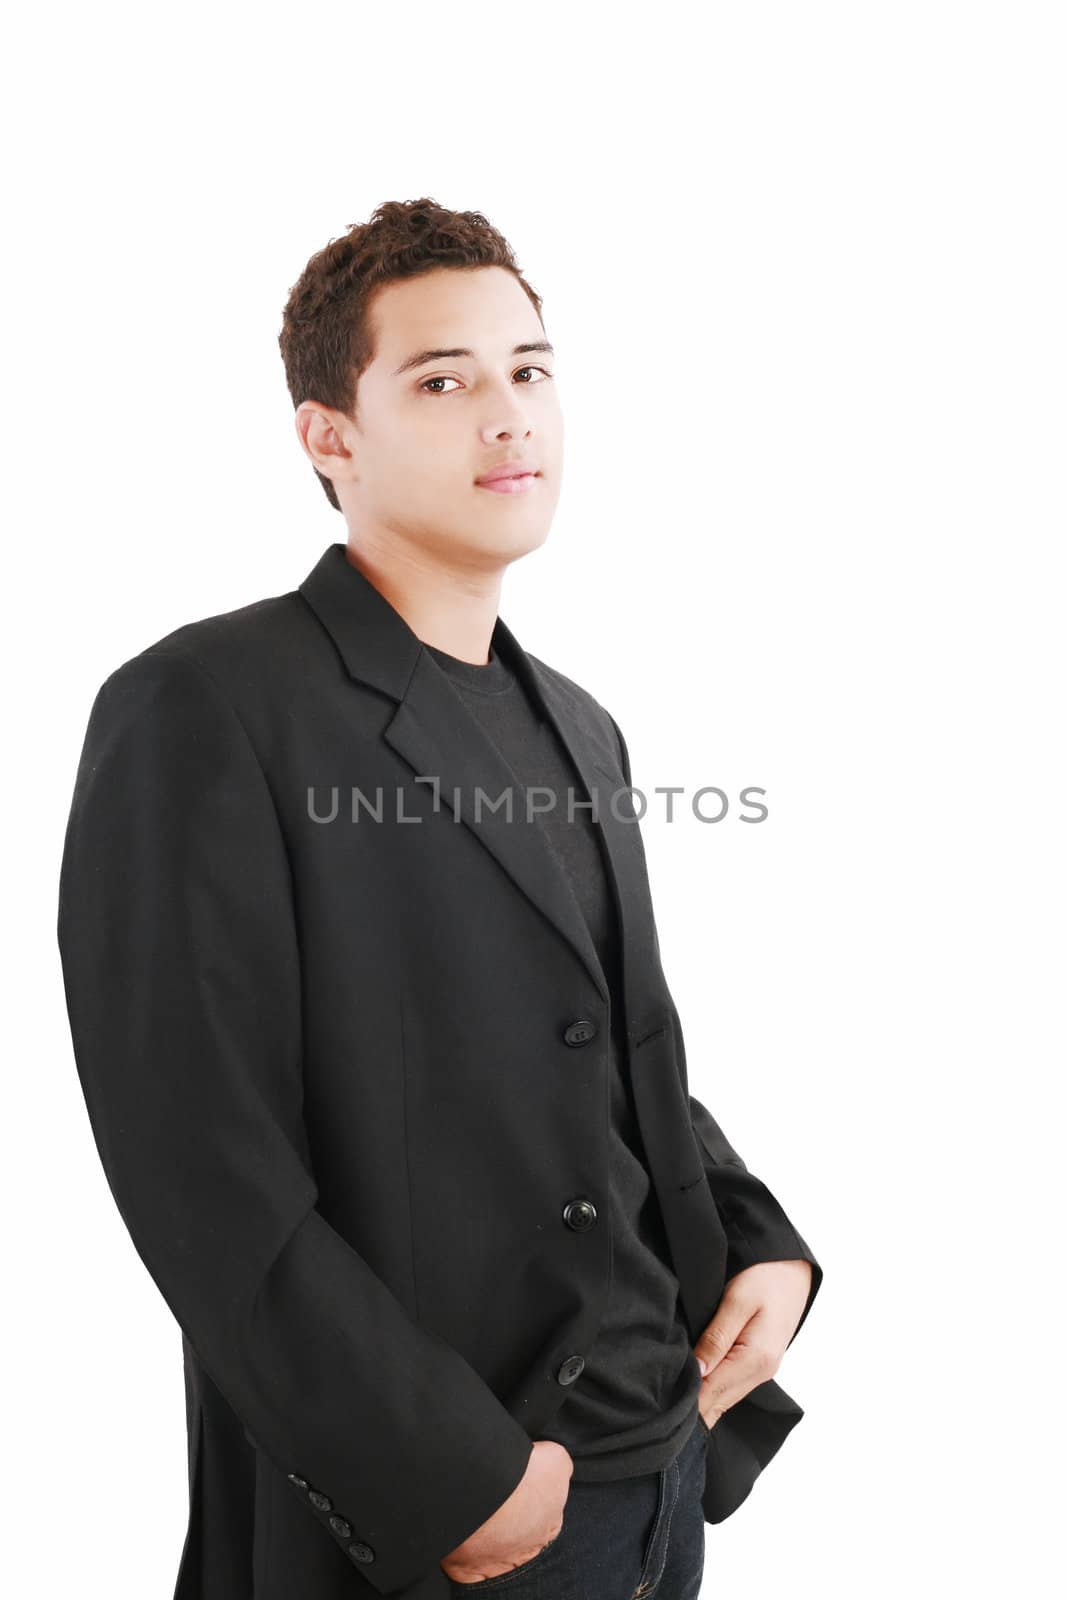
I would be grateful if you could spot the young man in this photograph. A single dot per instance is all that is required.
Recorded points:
(382, 1066)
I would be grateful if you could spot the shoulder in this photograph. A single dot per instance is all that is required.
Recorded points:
(231, 646)
(242, 659)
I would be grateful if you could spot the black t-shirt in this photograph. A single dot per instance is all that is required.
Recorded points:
(635, 1402)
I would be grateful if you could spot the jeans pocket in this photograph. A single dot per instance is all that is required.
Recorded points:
(502, 1578)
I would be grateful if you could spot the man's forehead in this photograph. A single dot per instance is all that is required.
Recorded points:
(473, 316)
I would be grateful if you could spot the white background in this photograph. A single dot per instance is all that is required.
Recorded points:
(804, 266)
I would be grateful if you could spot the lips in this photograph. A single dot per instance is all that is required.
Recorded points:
(507, 469)
(513, 483)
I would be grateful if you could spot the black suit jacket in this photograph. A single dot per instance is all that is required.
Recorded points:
(336, 1077)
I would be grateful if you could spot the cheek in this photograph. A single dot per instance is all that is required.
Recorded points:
(422, 460)
(552, 434)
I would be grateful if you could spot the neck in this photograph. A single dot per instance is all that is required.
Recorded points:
(450, 608)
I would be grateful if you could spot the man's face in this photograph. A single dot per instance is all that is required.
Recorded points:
(431, 425)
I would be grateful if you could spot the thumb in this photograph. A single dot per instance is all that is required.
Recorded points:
(718, 1337)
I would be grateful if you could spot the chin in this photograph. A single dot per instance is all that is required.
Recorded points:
(523, 540)
(512, 545)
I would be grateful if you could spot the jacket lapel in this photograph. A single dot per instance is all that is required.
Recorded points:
(436, 735)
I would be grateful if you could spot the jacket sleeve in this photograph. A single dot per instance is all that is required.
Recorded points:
(757, 1228)
(181, 969)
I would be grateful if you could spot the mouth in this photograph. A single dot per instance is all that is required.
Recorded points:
(511, 483)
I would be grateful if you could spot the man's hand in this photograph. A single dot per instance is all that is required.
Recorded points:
(745, 1340)
(530, 1518)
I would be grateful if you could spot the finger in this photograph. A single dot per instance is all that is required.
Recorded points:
(750, 1361)
(721, 1333)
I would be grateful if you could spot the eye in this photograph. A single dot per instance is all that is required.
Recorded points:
(424, 386)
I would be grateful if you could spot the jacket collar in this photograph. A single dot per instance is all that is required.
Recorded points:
(437, 736)
(375, 642)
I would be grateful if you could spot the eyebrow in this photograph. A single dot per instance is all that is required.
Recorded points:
(421, 357)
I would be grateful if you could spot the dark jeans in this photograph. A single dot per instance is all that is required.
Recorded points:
(626, 1540)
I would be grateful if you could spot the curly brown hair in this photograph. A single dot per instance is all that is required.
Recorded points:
(325, 339)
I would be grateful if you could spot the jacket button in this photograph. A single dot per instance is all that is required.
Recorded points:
(361, 1552)
(301, 1483)
(341, 1527)
(321, 1500)
(579, 1215)
(580, 1032)
(571, 1369)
